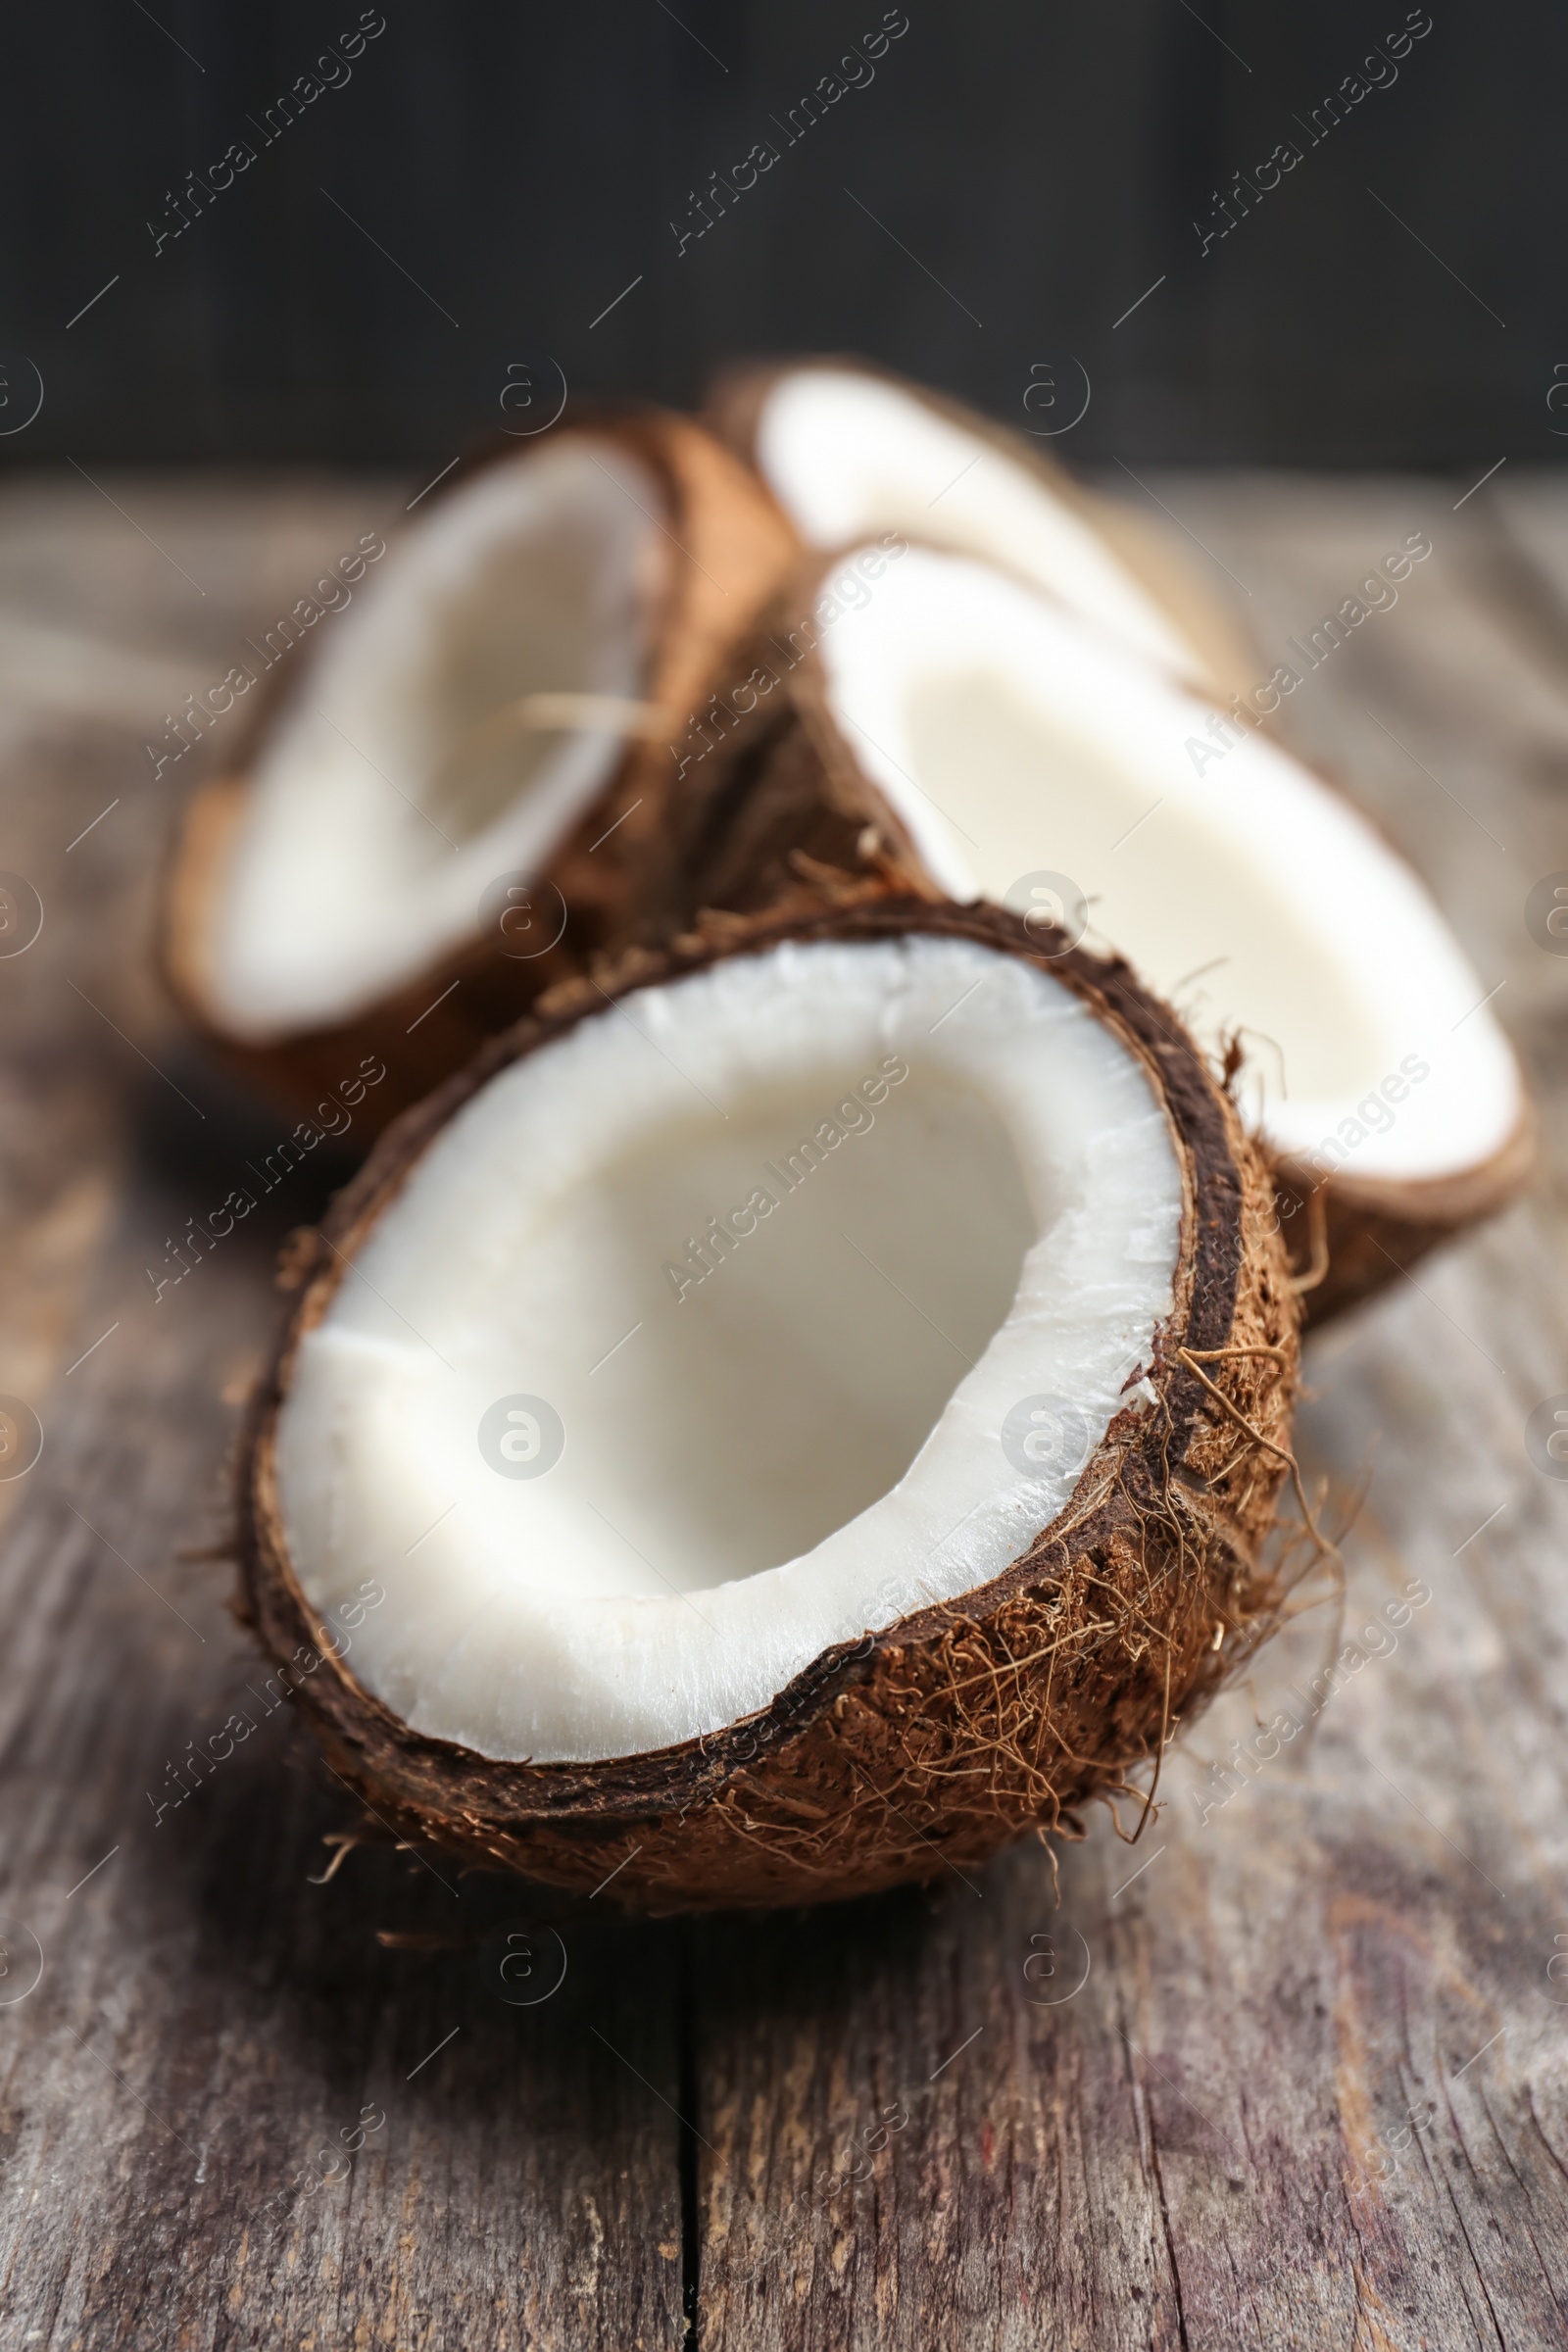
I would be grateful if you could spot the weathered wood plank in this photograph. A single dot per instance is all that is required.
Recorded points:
(183, 2095)
(210, 2020)
(1314, 2088)
(1206, 2142)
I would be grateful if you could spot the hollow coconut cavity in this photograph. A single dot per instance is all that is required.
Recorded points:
(941, 722)
(786, 1428)
(851, 453)
(453, 795)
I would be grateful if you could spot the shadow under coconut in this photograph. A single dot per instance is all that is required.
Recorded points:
(755, 2068)
(401, 1979)
(202, 1139)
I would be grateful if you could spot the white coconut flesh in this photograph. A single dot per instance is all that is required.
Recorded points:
(382, 810)
(1015, 743)
(802, 1446)
(848, 457)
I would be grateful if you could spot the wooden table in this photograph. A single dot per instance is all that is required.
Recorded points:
(1291, 2074)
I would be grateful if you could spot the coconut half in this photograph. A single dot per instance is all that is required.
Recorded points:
(921, 714)
(453, 797)
(851, 452)
(784, 1428)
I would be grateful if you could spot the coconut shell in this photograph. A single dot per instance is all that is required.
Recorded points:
(1348, 1239)
(933, 1742)
(782, 809)
(726, 545)
(1227, 662)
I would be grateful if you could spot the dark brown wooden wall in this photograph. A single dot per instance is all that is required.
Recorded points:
(1009, 178)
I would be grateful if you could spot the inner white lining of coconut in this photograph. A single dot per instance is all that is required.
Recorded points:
(1015, 742)
(801, 1446)
(365, 846)
(848, 457)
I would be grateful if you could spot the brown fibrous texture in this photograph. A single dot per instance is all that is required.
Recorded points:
(926, 1746)
(1347, 1240)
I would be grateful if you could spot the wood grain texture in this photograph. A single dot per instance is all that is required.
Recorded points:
(1312, 2088)
(181, 2095)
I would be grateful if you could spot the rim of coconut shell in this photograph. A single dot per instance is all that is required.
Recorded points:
(1350, 1237)
(1203, 1470)
(1223, 659)
(726, 544)
(788, 808)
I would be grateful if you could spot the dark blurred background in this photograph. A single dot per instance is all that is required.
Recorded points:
(985, 195)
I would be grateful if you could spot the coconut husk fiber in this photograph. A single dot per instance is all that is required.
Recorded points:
(931, 1742)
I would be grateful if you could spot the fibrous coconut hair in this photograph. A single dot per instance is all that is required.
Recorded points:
(933, 1740)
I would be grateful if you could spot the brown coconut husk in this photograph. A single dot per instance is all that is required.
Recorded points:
(1227, 662)
(781, 809)
(725, 545)
(926, 1746)
(1349, 1238)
